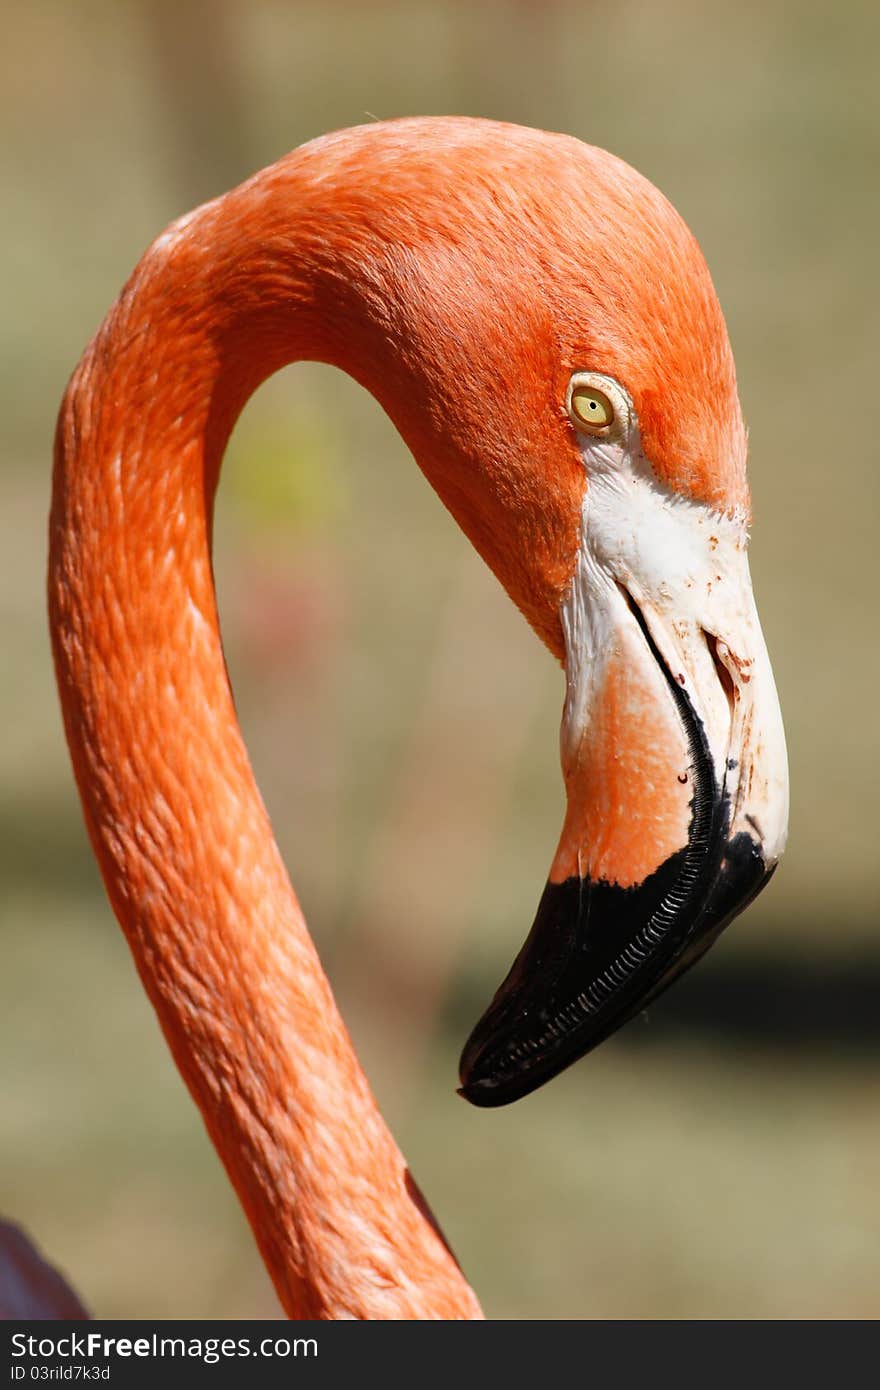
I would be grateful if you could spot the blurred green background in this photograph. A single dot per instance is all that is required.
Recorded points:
(717, 1159)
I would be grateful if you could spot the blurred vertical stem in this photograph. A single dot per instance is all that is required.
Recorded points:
(196, 49)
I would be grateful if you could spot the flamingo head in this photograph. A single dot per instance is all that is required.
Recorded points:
(566, 382)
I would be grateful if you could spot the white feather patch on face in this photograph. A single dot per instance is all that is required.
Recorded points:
(685, 566)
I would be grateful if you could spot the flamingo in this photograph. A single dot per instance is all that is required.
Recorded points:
(541, 327)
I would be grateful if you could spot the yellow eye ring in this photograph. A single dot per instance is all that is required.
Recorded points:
(590, 409)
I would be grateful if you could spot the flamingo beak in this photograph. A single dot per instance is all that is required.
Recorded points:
(674, 760)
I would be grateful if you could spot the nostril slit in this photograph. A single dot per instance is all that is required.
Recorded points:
(724, 676)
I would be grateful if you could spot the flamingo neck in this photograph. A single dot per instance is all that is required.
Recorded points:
(262, 277)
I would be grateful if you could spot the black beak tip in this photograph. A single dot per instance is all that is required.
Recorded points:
(476, 1088)
(483, 1098)
(595, 957)
(485, 1092)
(477, 1092)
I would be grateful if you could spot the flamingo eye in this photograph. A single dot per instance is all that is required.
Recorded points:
(590, 409)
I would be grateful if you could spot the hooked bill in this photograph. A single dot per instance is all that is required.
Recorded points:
(674, 762)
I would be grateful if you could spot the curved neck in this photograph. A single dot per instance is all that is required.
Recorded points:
(264, 276)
